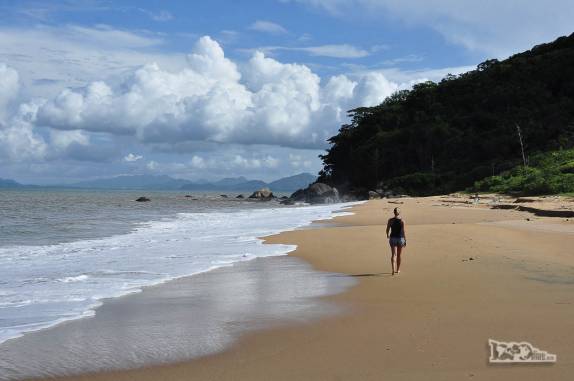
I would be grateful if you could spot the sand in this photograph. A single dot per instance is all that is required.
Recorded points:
(433, 321)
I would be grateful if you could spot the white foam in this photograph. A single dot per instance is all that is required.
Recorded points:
(45, 285)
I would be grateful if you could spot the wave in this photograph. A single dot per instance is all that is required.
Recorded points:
(45, 285)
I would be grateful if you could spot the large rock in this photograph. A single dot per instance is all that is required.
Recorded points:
(262, 194)
(374, 195)
(142, 199)
(317, 193)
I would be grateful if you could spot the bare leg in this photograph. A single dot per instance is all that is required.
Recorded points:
(393, 253)
(399, 251)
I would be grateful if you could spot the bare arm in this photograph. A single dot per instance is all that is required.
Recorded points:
(404, 231)
(388, 227)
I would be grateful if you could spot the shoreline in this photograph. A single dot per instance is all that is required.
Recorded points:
(29, 342)
(167, 249)
(431, 322)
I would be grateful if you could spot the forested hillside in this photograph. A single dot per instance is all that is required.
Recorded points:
(442, 137)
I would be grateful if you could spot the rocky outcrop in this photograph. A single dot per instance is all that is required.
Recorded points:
(262, 194)
(374, 195)
(317, 193)
(240, 196)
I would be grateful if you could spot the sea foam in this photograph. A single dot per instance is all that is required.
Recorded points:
(44, 285)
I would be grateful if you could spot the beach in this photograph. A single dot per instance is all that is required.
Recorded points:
(470, 273)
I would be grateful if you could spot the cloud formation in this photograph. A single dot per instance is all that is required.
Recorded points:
(9, 86)
(497, 28)
(267, 27)
(262, 101)
(331, 50)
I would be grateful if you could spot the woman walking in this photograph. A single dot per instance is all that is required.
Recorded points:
(397, 239)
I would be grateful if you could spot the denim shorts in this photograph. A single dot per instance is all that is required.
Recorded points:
(394, 241)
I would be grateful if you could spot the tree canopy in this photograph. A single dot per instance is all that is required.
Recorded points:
(442, 137)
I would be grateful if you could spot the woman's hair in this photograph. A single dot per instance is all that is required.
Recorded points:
(396, 211)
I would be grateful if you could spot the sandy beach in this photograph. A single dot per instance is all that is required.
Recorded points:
(469, 273)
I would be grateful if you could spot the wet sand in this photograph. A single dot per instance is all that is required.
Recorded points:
(433, 321)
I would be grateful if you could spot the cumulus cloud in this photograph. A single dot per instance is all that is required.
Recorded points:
(49, 58)
(262, 101)
(18, 139)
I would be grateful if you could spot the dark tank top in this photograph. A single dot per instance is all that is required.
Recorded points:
(396, 228)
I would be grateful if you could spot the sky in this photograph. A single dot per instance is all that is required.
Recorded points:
(203, 90)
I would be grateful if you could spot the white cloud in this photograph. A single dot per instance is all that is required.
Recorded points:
(9, 87)
(130, 158)
(331, 50)
(265, 102)
(198, 162)
(300, 163)
(497, 28)
(267, 27)
(18, 140)
(152, 165)
(50, 58)
(160, 16)
(335, 51)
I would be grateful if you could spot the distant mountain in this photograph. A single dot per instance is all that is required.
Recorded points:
(229, 181)
(293, 182)
(133, 182)
(6, 183)
(287, 184)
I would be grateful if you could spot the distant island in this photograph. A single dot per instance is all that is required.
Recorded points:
(163, 182)
(507, 126)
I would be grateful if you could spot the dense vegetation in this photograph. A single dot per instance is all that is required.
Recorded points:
(547, 173)
(443, 137)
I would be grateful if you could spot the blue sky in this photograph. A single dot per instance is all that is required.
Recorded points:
(211, 89)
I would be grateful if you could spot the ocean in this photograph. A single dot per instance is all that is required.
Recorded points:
(63, 251)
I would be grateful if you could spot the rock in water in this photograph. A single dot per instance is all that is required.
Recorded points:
(262, 194)
(374, 195)
(142, 199)
(240, 196)
(317, 193)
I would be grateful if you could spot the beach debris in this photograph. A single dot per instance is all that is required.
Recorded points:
(471, 259)
(524, 199)
(537, 211)
(263, 194)
(528, 219)
(142, 199)
(395, 202)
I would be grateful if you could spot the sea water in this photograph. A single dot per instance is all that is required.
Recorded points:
(62, 252)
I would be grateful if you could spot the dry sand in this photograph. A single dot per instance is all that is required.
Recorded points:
(431, 322)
